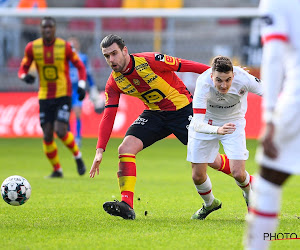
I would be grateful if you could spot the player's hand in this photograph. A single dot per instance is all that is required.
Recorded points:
(96, 162)
(29, 79)
(227, 128)
(270, 149)
(81, 90)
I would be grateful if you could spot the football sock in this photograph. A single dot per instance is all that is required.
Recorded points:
(205, 191)
(245, 185)
(263, 214)
(225, 168)
(69, 141)
(127, 177)
(78, 128)
(50, 149)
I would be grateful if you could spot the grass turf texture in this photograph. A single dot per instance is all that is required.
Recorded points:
(67, 213)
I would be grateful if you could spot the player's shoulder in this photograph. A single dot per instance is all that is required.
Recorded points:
(240, 73)
(272, 5)
(205, 78)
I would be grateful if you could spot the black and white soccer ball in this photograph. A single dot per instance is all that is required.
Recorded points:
(15, 190)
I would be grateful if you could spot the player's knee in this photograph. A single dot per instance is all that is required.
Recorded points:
(238, 174)
(123, 148)
(198, 177)
(61, 133)
(48, 137)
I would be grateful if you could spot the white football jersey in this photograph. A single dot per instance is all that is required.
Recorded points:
(229, 107)
(281, 21)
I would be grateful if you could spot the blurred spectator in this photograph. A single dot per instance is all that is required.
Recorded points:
(9, 33)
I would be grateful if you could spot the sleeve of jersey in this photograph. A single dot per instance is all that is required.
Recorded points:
(26, 61)
(74, 58)
(110, 111)
(163, 62)
(272, 72)
(199, 108)
(106, 126)
(191, 66)
(274, 24)
(274, 33)
(254, 85)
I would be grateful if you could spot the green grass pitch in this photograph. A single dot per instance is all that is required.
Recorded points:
(67, 213)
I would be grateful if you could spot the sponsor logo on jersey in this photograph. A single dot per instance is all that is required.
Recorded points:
(159, 57)
(223, 107)
(220, 97)
(257, 79)
(267, 20)
(136, 81)
(242, 91)
(170, 60)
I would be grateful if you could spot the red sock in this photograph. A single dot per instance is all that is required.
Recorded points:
(225, 168)
(127, 177)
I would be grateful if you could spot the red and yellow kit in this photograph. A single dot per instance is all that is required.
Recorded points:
(151, 78)
(52, 63)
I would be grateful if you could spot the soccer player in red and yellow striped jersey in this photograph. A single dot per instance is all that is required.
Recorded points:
(51, 56)
(168, 110)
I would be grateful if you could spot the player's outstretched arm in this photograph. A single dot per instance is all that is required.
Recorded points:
(96, 162)
(227, 128)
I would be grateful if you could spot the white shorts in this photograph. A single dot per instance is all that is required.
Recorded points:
(204, 149)
(286, 138)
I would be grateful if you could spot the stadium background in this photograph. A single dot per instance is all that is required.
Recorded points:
(190, 37)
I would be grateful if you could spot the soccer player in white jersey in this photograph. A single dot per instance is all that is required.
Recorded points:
(219, 105)
(278, 154)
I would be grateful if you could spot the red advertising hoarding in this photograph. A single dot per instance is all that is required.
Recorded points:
(19, 116)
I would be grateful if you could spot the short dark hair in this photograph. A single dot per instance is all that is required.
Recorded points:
(222, 64)
(111, 39)
(48, 18)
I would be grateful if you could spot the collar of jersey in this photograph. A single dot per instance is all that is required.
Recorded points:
(132, 67)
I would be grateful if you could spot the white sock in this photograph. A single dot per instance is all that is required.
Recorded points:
(263, 216)
(245, 185)
(78, 156)
(205, 191)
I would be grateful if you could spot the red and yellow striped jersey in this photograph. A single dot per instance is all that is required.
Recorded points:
(52, 63)
(151, 78)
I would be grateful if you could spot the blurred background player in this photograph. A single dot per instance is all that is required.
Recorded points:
(278, 154)
(220, 105)
(51, 56)
(168, 110)
(93, 91)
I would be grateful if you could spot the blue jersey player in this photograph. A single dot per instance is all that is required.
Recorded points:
(94, 94)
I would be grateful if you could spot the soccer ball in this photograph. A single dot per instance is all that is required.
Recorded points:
(15, 190)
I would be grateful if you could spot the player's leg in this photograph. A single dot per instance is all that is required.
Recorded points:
(221, 164)
(76, 107)
(47, 114)
(67, 137)
(126, 178)
(264, 208)
(235, 148)
(178, 123)
(78, 137)
(146, 130)
(198, 153)
(242, 177)
(50, 149)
